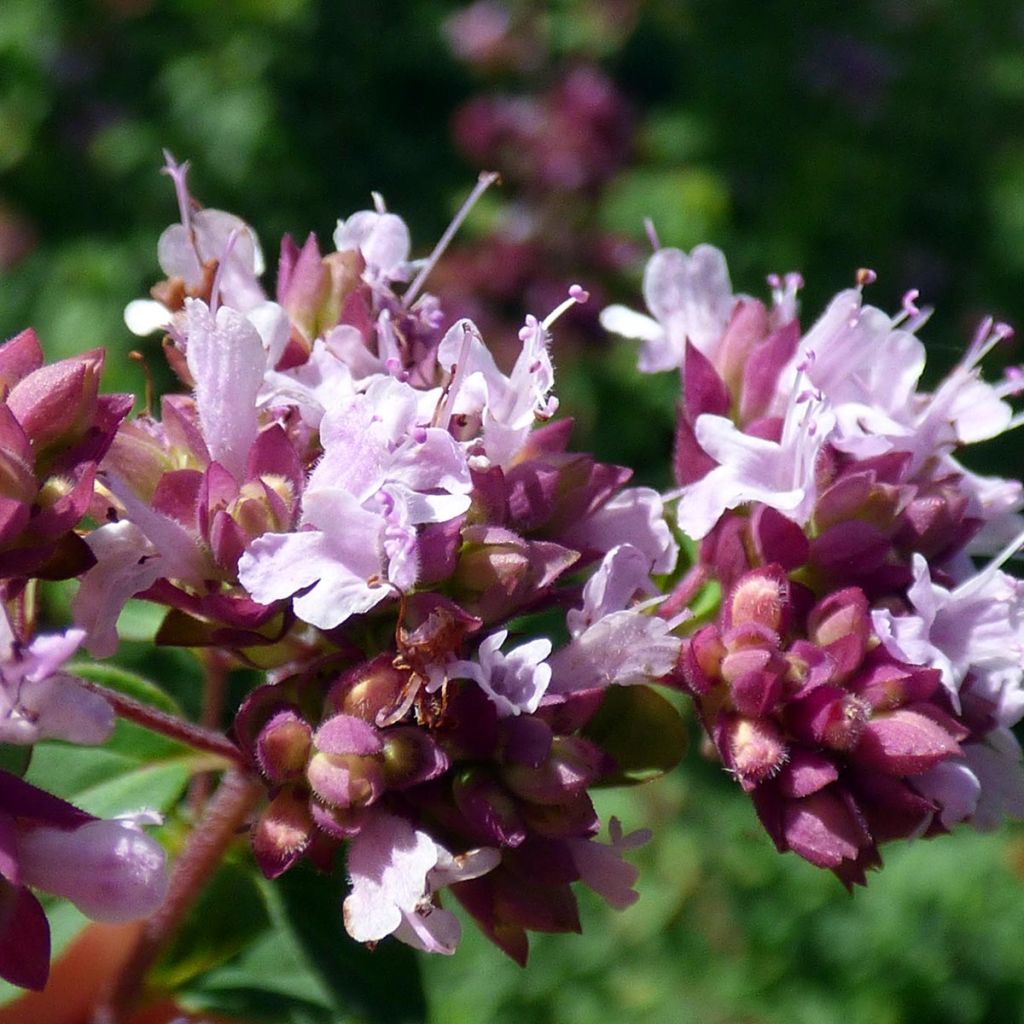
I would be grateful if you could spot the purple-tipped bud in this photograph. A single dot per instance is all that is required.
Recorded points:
(822, 829)
(761, 596)
(754, 749)
(840, 614)
(904, 742)
(110, 870)
(283, 832)
(56, 403)
(886, 684)
(489, 809)
(19, 357)
(701, 659)
(830, 716)
(368, 690)
(283, 746)
(573, 765)
(757, 693)
(851, 549)
(346, 780)
(411, 757)
(806, 773)
(778, 539)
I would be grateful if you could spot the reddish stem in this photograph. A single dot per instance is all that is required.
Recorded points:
(214, 687)
(196, 736)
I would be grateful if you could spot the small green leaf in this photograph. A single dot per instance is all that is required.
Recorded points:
(641, 730)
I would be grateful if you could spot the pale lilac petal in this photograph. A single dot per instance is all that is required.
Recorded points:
(629, 324)
(56, 708)
(110, 870)
(691, 296)
(997, 765)
(433, 931)
(146, 316)
(126, 564)
(388, 861)
(277, 565)
(176, 253)
(622, 648)
(227, 362)
(515, 682)
(636, 517)
(954, 787)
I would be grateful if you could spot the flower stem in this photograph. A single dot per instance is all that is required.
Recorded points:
(205, 848)
(196, 736)
(214, 686)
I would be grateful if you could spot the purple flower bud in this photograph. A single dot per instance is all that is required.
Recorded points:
(283, 832)
(110, 870)
(754, 749)
(283, 746)
(904, 742)
(761, 597)
(573, 765)
(489, 809)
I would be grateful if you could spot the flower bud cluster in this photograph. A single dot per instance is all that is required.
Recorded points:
(862, 674)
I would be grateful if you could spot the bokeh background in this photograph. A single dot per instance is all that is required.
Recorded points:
(795, 135)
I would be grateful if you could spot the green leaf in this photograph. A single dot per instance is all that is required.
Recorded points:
(382, 986)
(124, 681)
(689, 205)
(134, 768)
(15, 758)
(305, 969)
(641, 730)
(230, 913)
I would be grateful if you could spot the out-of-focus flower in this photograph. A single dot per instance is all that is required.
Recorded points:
(110, 869)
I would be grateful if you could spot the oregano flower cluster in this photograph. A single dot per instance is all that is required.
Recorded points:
(864, 670)
(457, 618)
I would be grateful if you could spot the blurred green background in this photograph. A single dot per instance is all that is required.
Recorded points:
(795, 135)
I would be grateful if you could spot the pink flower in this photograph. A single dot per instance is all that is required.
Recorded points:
(689, 296)
(516, 681)
(395, 871)
(38, 701)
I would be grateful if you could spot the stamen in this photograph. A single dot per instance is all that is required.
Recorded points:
(977, 581)
(484, 182)
(652, 234)
(221, 263)
(458, 372)
(989, 334)
(577, 296)
(378, 202)
(137, 357)
(177, 173)
(865, 276)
